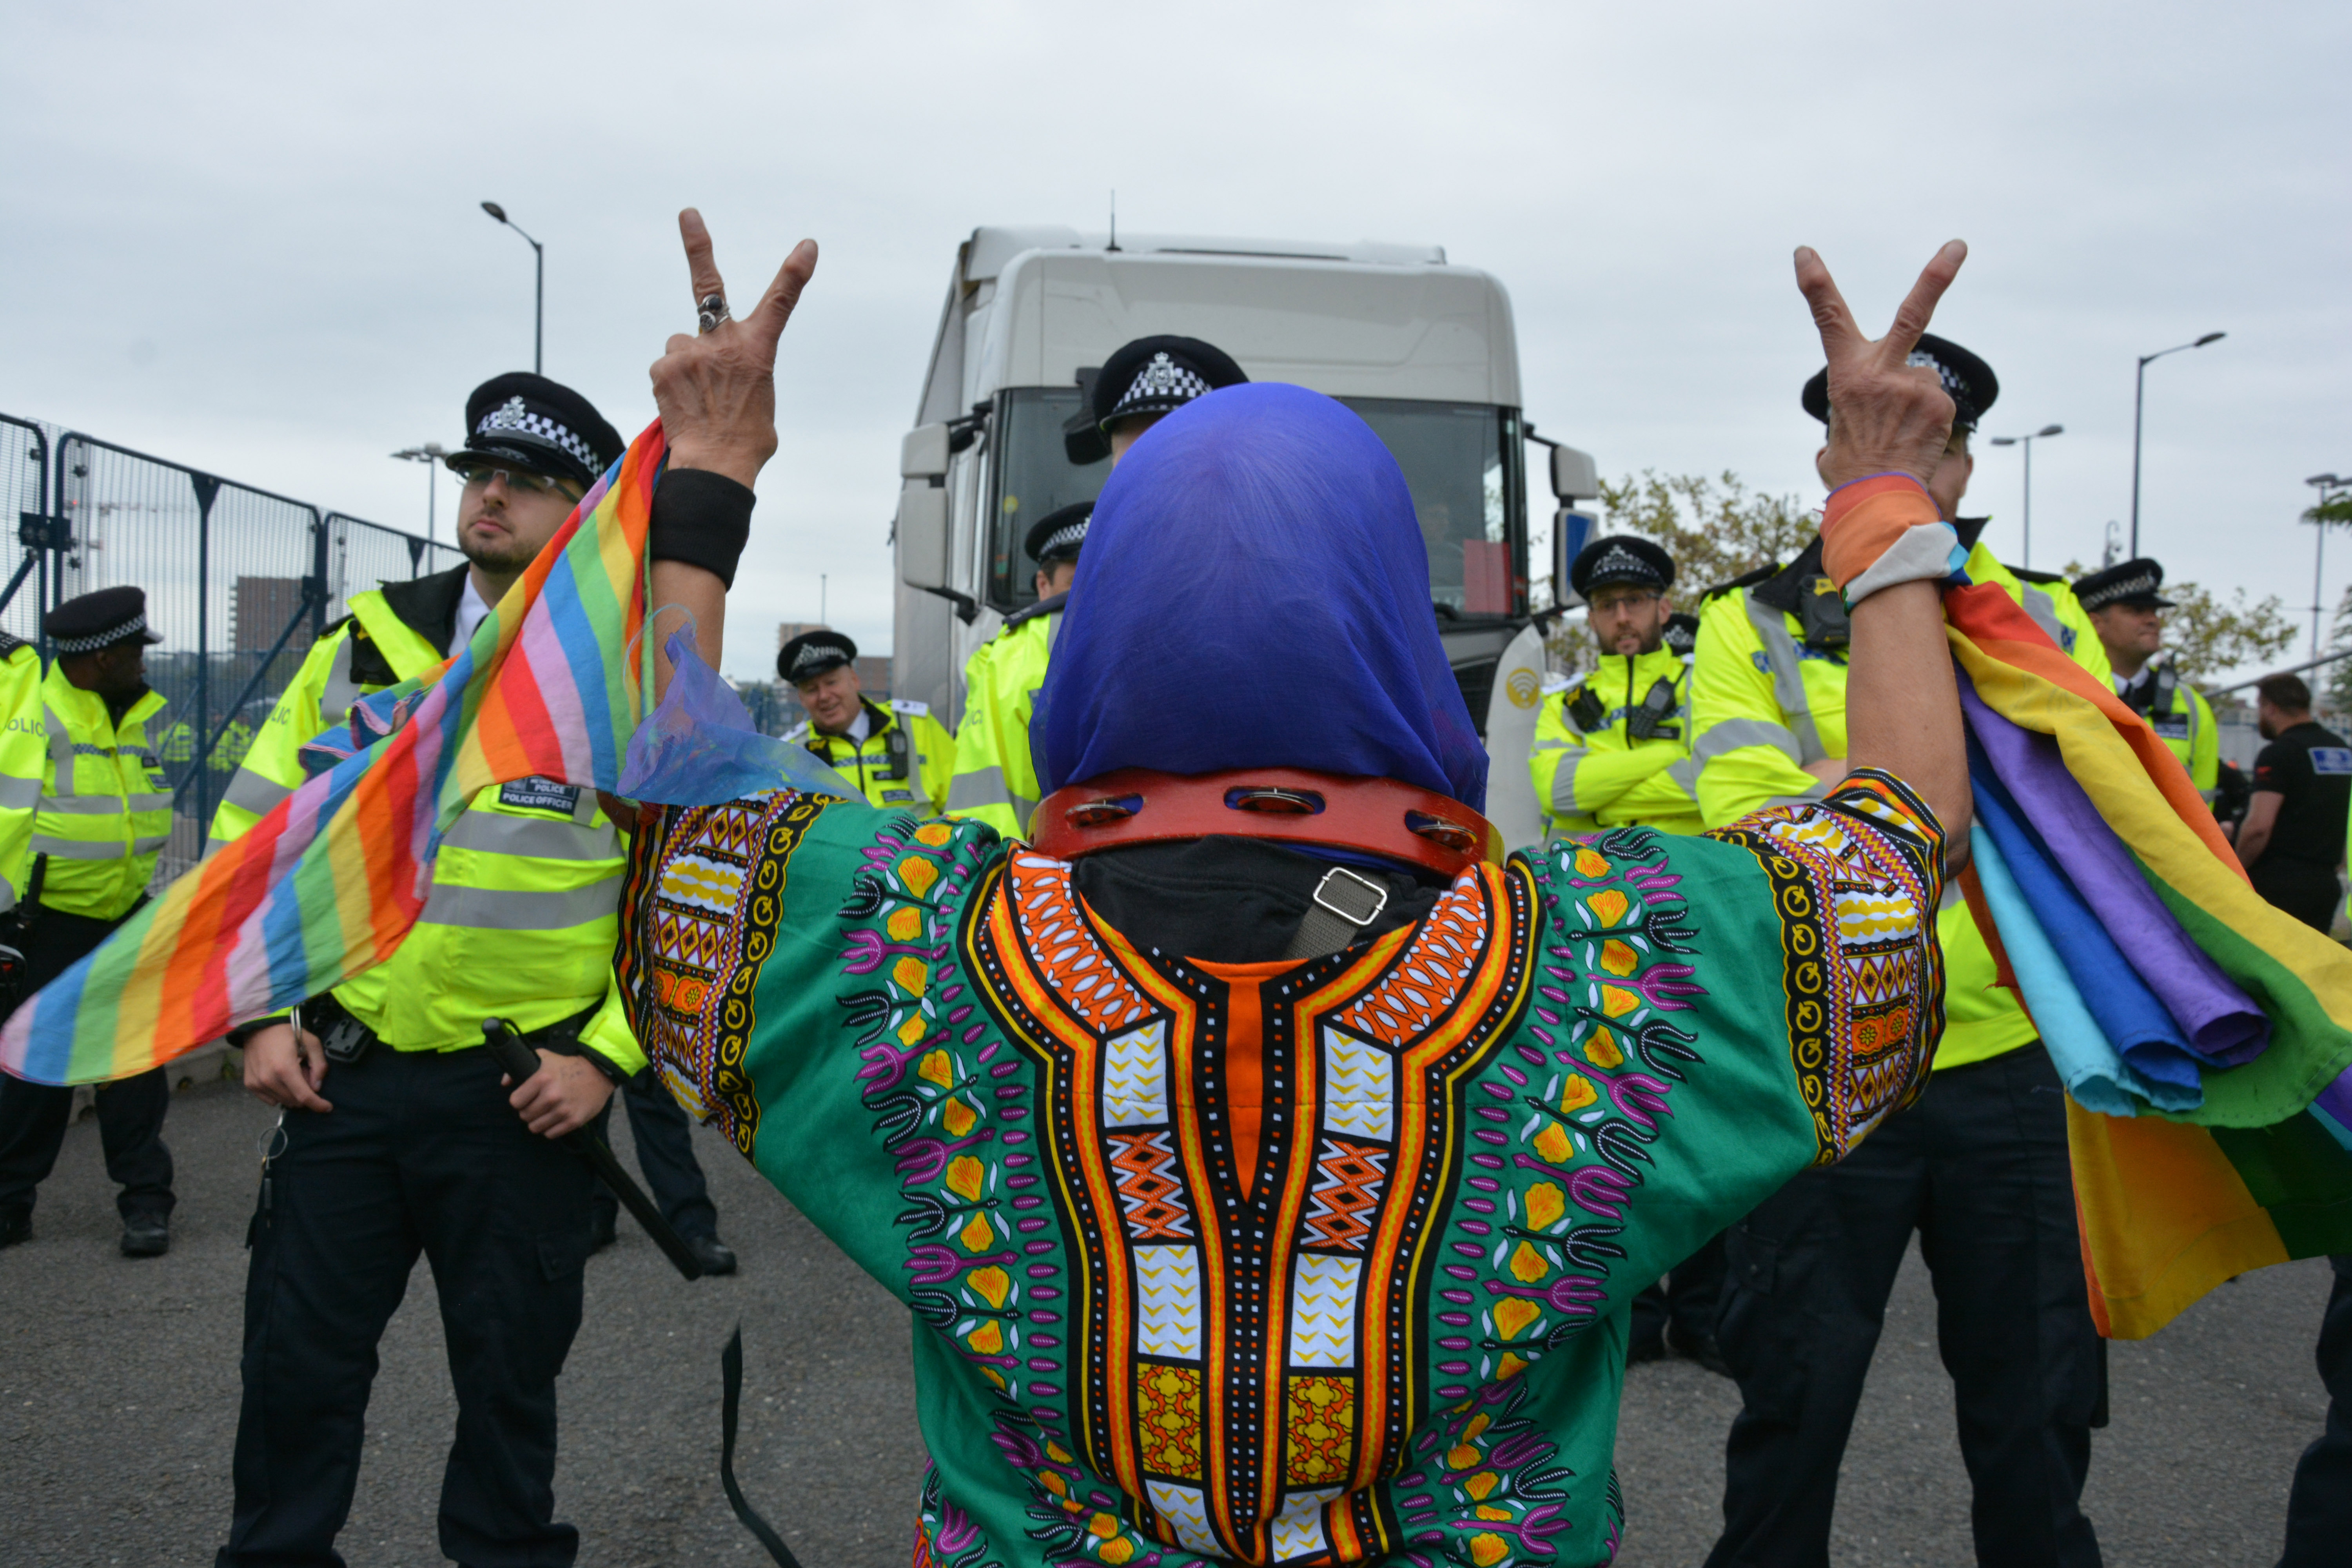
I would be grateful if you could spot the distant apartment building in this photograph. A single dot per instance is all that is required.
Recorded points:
(260, 610)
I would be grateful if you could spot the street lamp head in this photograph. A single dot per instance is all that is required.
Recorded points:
(2324, 482)
(2208, 338)
(2051, 431)
(495, 210)
(2004, 440)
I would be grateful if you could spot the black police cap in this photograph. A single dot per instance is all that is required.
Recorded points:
(2132, 582)
(1149, 375)
(1621, 558)
(539, 425)
(93, 621)
(811, 654)
(1967, 381)
(1058, 535)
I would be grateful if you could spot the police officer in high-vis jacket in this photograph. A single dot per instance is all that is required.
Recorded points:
(1978, 1167)
(1612, 749)
(84, 812)
(397, 1134)
(897, 755)
(2127, 609)
(1137, 387)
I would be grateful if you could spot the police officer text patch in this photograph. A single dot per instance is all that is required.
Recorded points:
(2331, 759)
(541, 795)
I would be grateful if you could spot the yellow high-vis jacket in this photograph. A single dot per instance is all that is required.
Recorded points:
(2183, 721)
(24, 764)
(1763, 704)
(903, 763)
(105, 806)
(524, 910)
(995, 781)
(1591, 774)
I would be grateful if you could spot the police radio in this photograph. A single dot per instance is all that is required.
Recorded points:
(1587, 709)
(1649, 721)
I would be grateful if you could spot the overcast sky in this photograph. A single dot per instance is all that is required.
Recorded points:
(248, 237)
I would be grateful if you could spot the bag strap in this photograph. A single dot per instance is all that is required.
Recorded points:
(731, 1368)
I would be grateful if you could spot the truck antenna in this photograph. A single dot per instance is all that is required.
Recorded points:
(1114, 220)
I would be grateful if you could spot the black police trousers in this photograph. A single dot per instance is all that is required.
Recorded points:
(33, 1116)
(1686, 1300)
(1979, 1167)
(2319, 1509)
(421, 1154)
(665, 1140)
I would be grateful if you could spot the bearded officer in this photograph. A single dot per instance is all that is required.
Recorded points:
(1612, 749)
(2128, 612)
(895, 752)
(1137, 387)
(397, 1134)
(86, 811)
(1978, 1167)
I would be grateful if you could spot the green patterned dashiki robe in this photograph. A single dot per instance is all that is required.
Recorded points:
(1356, 1296)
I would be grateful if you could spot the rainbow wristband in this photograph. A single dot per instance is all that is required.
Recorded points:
(1884, 530)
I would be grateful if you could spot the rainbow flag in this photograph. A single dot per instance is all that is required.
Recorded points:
(329, 882)
(2172, 1204)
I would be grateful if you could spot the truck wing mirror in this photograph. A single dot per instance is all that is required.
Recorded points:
(1573, 478)
(923, 533)
(923, 454)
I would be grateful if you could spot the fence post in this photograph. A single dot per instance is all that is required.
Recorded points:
(208, 489)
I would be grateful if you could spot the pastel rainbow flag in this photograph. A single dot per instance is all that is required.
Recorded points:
(328, 884)
(2173, 1204)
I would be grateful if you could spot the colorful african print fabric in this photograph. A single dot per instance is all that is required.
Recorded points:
(1323, 1261)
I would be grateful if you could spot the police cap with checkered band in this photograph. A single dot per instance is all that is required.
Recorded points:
(1621, 558)
(99, 620)
(1058, 535)
(541, 426)
(1967, 381)
(811, 654)
(2132, 582)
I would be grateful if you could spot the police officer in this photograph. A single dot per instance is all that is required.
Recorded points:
(398, 1134)
(2292, 838)
(1137, 387)
(896, 753)
(104, 813)
(1978, 1166)
(1612, 749)
(2127, 612)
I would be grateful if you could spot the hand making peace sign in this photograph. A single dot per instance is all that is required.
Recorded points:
(716, 391)
(1886, 415)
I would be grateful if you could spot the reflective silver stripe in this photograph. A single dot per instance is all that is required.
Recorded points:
(509, 909)
(1788, 679)
(77, 850)
(7, 895)
(2208, 795)
(973, 791)
(1563, 784)
(88, 805)
(61, 753)
(2044, 611)
(1734, 733)
(146, 802)
(250, 792)
(1686, 773)
(335, 698)
(20, 795)
(215, 845)
(1557, 746)
(149, 845)
(535, 837)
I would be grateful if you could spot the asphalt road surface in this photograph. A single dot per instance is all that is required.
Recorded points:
(119, 1388)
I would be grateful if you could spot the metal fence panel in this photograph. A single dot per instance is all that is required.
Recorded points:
(25, 493)
(239, 582)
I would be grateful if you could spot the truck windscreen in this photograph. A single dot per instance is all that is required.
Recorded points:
(1461, 461)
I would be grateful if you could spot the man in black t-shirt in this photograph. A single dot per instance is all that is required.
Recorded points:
(2293, 840)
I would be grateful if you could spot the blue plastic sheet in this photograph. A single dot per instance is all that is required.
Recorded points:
(698, 747)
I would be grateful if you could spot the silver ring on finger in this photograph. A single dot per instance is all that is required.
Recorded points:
(709, 311)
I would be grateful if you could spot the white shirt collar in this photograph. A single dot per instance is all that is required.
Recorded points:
(471, 608)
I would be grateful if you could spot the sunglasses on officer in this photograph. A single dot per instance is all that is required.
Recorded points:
(477, 472)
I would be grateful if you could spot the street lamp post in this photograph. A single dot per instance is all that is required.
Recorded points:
(2139, 402)
(2323, 483)
(430, 455)
(538, 293)
(2027, 442)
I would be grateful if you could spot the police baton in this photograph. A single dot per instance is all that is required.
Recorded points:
(519, 1061)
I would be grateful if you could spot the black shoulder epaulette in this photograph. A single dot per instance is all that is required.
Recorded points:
(1044, 606)
(2022, 576)
(338, 624)
(1747, 580)
(9, 645)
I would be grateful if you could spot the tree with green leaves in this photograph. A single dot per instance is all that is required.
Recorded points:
(2205, 637)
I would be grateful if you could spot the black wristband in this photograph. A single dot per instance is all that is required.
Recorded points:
(701, 517)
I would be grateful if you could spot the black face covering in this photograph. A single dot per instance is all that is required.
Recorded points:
(1227, 900)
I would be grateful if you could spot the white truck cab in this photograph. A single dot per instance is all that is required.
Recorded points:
(1423, 350)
